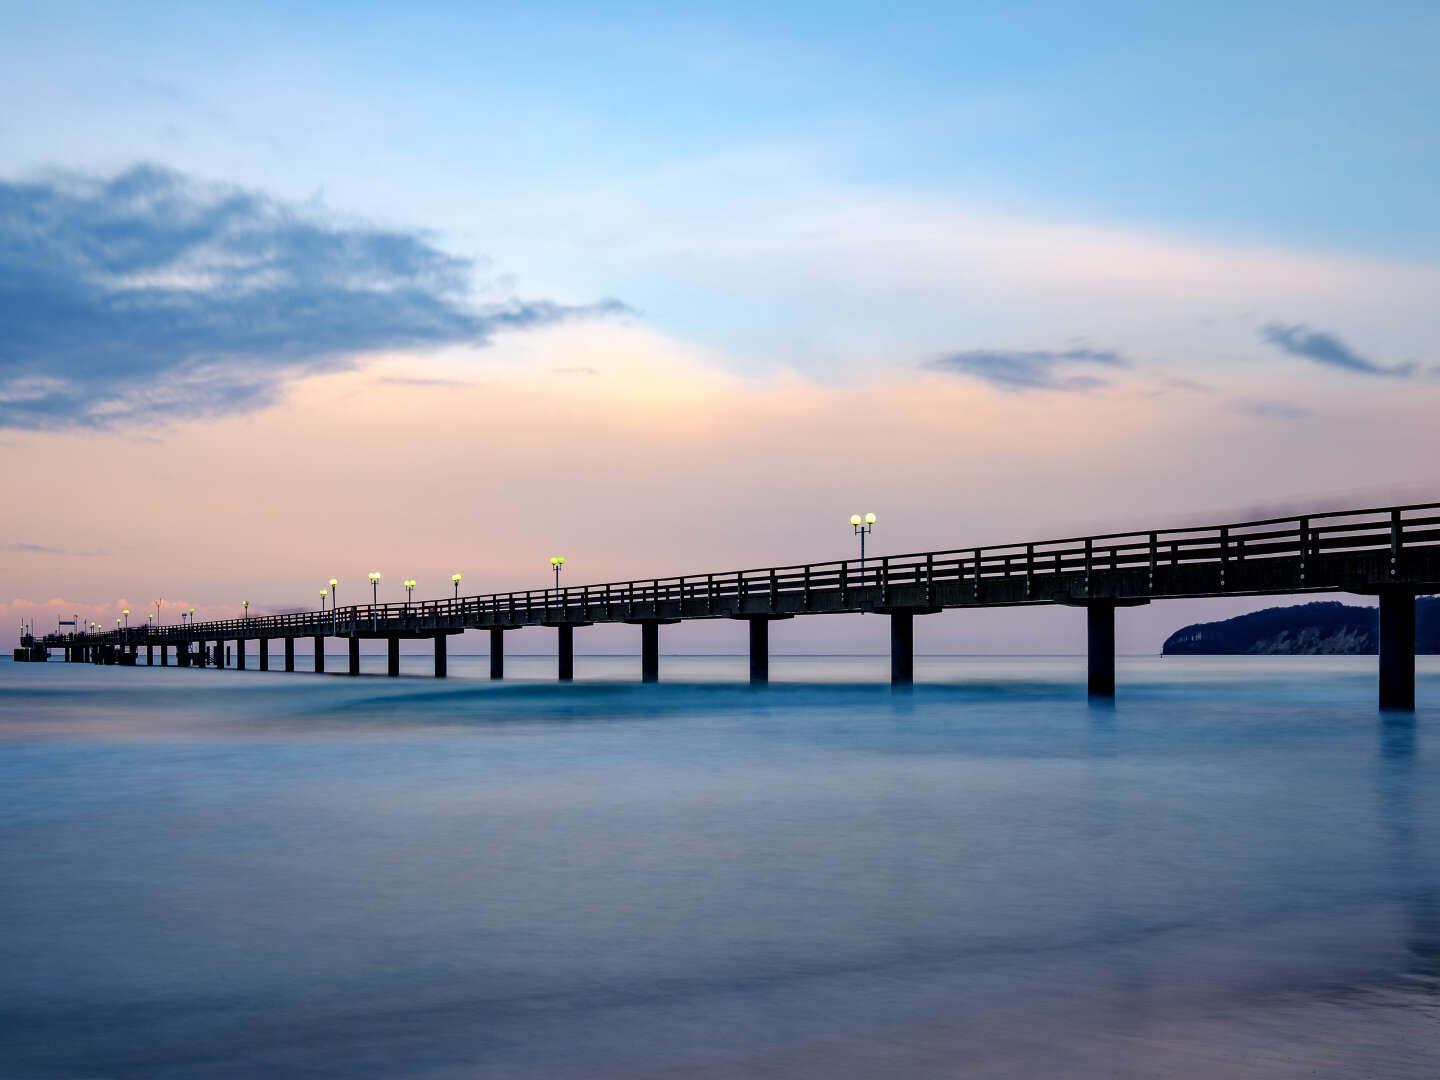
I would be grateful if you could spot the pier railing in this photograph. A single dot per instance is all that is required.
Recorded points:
(1370, 548)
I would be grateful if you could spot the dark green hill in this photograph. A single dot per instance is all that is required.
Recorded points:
(1326, 627)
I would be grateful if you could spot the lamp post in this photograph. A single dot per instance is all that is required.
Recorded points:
(323, 593)
(246, 605)
(192, 616)
(862, 527)
(455, 580)
(126, 613)
(374, 576)
(158, 605)
(556, 562)
(409, 591)
(334, 615)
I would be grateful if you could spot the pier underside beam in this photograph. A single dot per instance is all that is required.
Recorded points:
(1397, 649)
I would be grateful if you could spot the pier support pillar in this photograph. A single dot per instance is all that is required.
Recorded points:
(182, 654)
(240, 654)
(902, 648)
(760, 645)
(392, 656)
(289, 654)
(264, 654)
(1397, 649)
(650, 652)
(566, 652)
(149, 655)
(1100, 636)
(354, 656)
(320, 654)
(219, 654)
(164, 655)
(497, 653)
(759, 652)
(441, 656)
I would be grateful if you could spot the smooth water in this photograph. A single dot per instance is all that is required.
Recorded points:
(1234, 871)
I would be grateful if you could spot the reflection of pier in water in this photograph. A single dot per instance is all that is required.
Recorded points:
(1406, 847)
(1392, 553)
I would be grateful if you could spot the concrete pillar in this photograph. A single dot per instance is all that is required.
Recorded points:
(320, 653)
(289, 654)
(1100, 623)
(264, 654)
(164, 655)
(1397, 649)
(240, 654)
(650, 652)
(567, 652)
(354, 655)
(497, 653)
(759, 652)
(902, 648)
(219, 654)
(392, 656)
(149, 655)
(441, 667)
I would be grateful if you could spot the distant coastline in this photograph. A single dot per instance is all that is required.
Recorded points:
(1324, 628)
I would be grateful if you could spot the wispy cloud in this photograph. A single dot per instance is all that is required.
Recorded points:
(150, 293)
(417, 380)
(1017, 370)
(1272, 410)
(45, 549)
(1323, 348)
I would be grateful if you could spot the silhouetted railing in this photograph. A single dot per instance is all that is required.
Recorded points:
(1148, 564)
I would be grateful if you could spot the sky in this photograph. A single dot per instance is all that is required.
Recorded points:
(293, 292)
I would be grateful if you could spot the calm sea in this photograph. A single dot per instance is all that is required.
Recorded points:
(1234, 871)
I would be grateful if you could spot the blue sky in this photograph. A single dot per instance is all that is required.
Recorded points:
(1222, 213)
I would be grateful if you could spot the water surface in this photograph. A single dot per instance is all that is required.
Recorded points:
(1235, 870)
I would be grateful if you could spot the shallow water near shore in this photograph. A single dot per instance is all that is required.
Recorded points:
(1232, 871)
